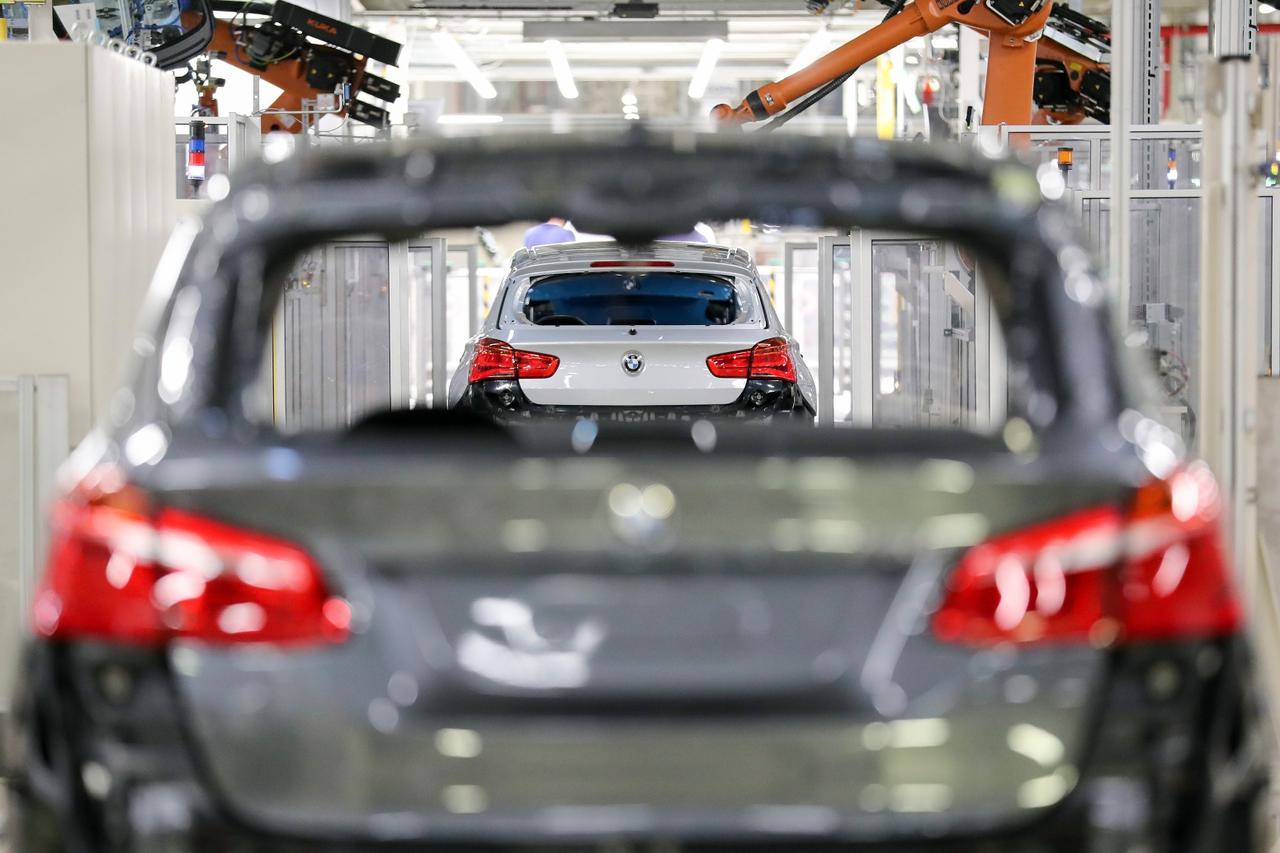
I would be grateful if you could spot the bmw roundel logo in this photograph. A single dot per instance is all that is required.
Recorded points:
(632, 362)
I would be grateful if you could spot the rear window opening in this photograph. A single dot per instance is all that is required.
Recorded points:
(923, 354)
(631, 299)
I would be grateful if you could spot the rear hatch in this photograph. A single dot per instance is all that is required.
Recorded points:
(658, 643)
(634, 337)
(637, 366)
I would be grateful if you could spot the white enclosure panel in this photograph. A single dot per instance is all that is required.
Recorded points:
(89, 201)
(44, 221)
(923, 332)
(33, 440)
(131, 196)
(337, 335)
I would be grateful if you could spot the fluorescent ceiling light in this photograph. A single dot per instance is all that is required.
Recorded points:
(629, 98)
(706, 65)
(1266, 8)
(560, 66)
(468, 118)
(470, 71)
(815, 47)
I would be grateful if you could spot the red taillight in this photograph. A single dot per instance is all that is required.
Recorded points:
(1154, 572)
(730, 365)
(115, 573)
(769, 359)
(599, 264)
(495, 359)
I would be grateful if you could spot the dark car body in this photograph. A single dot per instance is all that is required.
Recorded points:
(622, 637)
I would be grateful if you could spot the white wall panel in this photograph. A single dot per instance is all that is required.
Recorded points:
(132, 201)
(44, 219)
(88, 202)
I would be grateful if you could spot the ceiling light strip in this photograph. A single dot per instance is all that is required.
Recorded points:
(706, 66)
(560, 67)
(470, 71)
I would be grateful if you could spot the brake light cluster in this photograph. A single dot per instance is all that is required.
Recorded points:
(769, 359)
(115, 572)
(1156, 571)
(495, 359)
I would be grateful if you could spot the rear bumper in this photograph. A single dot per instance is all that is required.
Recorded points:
(761, 399)
(35, 829)
(1179, 774)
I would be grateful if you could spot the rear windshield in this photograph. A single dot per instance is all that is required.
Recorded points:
(632, 299)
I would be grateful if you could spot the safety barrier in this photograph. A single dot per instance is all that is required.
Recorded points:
(363, 325)
(1165, 199)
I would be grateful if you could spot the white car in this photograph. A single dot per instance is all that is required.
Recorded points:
(672, 330)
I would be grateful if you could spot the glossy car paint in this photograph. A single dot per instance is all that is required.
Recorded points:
(674, 358)
(614, 638)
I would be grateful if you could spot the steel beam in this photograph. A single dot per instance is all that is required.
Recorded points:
(1229, 295)
(1125, 16)
(1147, 49)
(1233, 28)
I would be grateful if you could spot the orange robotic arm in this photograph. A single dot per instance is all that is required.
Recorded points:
(1078, 86)
(289, 74)
(1011, 60)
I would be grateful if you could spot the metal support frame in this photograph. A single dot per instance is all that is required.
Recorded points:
(439, 338)
(437, 333)
(826, 330)
(279, 409)
(990, 390)
(1228, 295)
(1124, 23)
(1095, 139)
(992, 360)
(1271, 365)
(789, 279)
(859, 329)
(1233, 27)
(862, 383)
(1145, 45)
(398, 326)
(472, 254)
(989, 363)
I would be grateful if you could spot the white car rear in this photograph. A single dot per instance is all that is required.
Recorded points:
(598, 329)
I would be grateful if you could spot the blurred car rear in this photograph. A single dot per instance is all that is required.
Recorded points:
(432, 630)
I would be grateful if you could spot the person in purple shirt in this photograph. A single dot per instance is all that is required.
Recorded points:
(554, 230)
